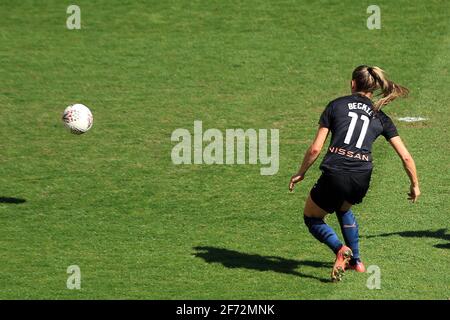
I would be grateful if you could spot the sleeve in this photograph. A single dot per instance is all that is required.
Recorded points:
(327, 116)
(389, 129)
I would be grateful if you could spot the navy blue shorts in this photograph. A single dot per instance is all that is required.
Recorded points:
(333, 188)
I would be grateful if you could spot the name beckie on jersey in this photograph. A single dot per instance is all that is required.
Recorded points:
(360, 106)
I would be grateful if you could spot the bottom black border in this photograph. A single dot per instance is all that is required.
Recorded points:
(223, 309)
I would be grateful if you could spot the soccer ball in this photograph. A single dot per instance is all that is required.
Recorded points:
(78, 118)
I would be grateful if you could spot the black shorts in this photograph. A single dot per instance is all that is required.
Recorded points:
(333, 188)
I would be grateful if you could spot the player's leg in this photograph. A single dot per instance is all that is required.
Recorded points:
(325, 197)
(349, 227)
(357, 186)
(350, 231)
(314, 219)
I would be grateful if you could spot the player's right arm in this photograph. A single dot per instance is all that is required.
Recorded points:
(409, 165)
(310, 156)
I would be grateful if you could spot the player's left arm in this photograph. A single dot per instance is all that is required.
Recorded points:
(409, 165)
(311, 155)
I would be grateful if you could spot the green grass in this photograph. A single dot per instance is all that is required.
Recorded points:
(112, 202)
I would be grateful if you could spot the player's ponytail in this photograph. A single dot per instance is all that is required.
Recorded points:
(370, 79)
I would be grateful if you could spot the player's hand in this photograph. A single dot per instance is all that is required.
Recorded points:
(294, 179)
(414, 193)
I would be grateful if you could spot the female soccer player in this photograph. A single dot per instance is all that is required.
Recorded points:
(355, 122)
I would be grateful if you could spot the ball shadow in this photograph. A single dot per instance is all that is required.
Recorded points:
(11, 200)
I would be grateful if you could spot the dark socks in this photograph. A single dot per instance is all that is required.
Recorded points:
(323, 232)
(349, 228)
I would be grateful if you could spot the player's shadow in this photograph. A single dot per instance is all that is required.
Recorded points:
(12, 200)
(437, 234)
(235, 259)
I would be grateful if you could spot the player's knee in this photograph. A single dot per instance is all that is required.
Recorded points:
(310, 222)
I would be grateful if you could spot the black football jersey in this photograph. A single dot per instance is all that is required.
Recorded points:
(354, 126)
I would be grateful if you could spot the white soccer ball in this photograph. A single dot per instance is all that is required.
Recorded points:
(78, 118)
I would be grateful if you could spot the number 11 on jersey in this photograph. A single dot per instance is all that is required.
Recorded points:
(351, 128)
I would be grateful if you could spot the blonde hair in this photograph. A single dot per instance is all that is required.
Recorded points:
(370, 79)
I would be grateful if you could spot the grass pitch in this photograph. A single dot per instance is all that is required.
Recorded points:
(112, 202)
